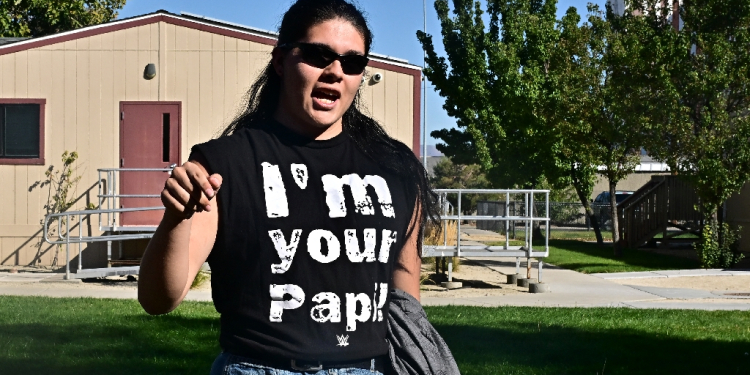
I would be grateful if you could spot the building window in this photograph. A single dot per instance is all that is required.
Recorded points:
(22, 131)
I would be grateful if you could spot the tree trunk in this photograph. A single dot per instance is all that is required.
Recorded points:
(720, 223)
(537, 227)
(590, 214)
(580, 182)
(615, 219)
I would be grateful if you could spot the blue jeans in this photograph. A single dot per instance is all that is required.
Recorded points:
(230, 364)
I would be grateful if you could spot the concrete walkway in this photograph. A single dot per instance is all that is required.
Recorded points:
(568, 289)
(53, 285)
(573, 289)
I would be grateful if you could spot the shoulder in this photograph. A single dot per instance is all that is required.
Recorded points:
(406, 153)
(218, 153)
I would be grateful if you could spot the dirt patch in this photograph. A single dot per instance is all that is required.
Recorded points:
(708, 283)
(482, 238)
(478, 281)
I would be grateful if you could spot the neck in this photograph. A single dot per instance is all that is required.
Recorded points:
(318, 133)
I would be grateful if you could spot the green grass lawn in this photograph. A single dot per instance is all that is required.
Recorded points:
(586, 235)
(89, 336)
(684, 235)
(98, 336)
(583, 235)
(589, 257)
(527, 340)
(566, 234)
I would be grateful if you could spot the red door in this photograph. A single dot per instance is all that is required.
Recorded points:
(149, 138)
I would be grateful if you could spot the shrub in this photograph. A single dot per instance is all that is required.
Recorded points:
(716, 253)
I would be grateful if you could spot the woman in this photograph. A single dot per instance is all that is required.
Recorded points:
(319, 212)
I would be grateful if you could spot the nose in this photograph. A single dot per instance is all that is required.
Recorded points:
(333, 72)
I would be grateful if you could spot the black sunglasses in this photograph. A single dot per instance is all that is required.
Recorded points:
(320, 56)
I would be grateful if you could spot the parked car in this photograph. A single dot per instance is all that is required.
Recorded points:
(602, 208)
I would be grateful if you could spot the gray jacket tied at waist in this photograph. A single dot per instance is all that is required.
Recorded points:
(415, 347)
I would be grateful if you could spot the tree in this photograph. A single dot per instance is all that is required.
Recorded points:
(493, 85)
(599, 110)
(500, 86)
(21, 18)
(703, 91)
(449, 175)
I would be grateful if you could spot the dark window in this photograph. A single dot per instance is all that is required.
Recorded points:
(22, 131)
(19, 131)
(165, 137)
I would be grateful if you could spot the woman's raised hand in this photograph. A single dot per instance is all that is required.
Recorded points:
(190, 189)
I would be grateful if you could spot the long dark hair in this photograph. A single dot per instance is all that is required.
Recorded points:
(368, 135)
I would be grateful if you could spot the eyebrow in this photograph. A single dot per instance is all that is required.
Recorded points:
(349, 52)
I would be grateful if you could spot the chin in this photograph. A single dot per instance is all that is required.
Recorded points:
(324, 122)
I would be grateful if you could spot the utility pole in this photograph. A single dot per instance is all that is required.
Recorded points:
(424, 91)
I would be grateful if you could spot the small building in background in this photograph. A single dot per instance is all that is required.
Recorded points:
(647, 168)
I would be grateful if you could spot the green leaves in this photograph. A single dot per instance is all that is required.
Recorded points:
(718, 246)
(702, 128)
(450, 175)
(536, 98)
(20, 18)
(492, 79)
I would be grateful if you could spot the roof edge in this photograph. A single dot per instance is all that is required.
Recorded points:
(199, 17)
(185, 19)
(65, 35)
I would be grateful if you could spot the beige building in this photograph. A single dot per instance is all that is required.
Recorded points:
(648, 167)
(121, 92)
(737, 206)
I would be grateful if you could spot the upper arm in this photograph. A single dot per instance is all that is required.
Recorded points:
(406, 274)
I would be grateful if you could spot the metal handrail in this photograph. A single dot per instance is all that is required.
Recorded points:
(69, 217)
(527, 218)
(68, 214)
(494, 218)
(492, 191)
(109, 197)
(642, 196)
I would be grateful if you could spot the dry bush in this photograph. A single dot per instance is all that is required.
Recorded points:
(200, 279)
(436, 236)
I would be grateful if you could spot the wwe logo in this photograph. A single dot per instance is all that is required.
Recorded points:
(343, 340)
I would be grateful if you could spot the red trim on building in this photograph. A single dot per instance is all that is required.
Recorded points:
(29, 161)
(116, 26)
(417, 95)
(78, 34)
(219, 30)
(417, 109)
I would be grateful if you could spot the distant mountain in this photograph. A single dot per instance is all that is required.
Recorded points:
(433, 151)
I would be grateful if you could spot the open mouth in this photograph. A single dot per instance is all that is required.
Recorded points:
(325, 96)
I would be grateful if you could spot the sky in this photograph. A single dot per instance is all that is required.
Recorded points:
(394, 24)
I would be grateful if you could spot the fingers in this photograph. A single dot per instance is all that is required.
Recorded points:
(215, 180)
(189, 189)
(196, 184)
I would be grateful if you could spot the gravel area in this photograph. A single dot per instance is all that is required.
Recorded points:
(478, 281)
(708, 283)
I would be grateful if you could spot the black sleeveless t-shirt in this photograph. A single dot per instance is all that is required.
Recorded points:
(309, 232)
